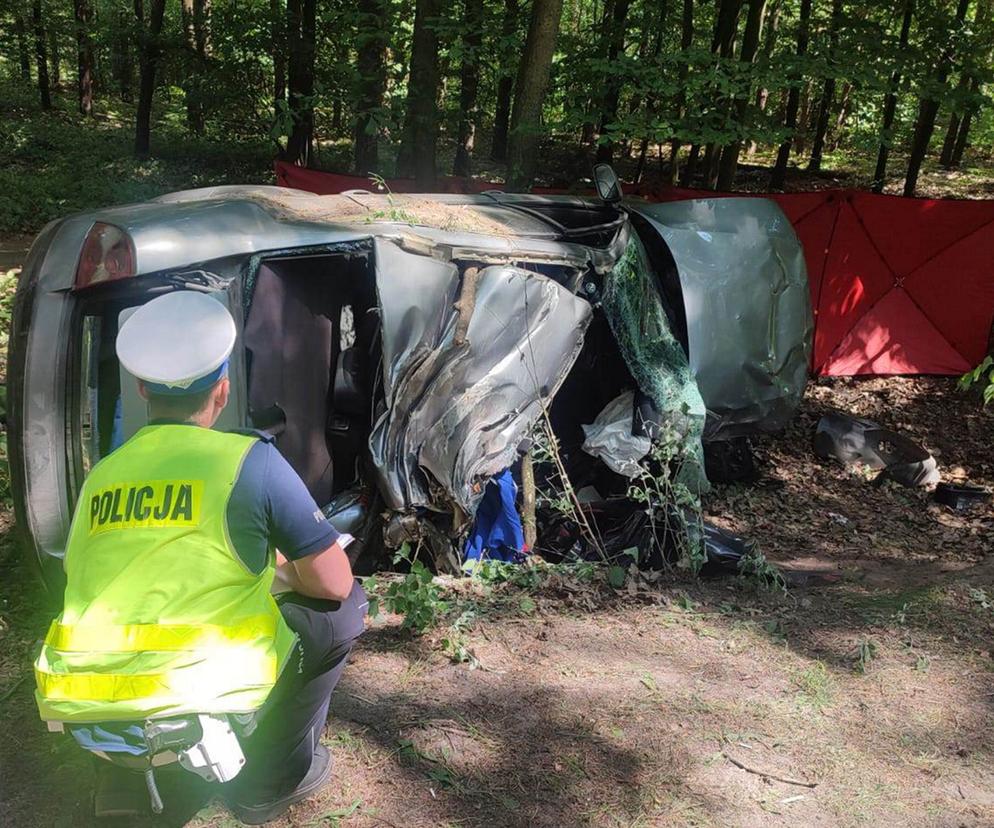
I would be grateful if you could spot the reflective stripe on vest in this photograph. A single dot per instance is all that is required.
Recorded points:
(161, 617)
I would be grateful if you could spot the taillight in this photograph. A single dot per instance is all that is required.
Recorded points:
(107, 255)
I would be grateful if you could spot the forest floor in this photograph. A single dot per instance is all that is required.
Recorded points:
(862, 696)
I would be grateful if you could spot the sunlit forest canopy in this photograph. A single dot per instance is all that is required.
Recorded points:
(674, 91)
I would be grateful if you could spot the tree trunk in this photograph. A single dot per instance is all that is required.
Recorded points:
(373, 39)
(949, 142)
(828, 91)
(418, 154)
(612, 95)
(723, 44)
(191, 82)
(928, 109)
(890, 105)
(301, 37)
(148, 59)
(959, 123)
(690, 168)
(277, 34)
(83, 13)
(779, 174)
(41, 55)
(962, 133)
(686, 42)
(750, 45)
(55, 57)
(529, 92)
(505, 86)
(763, 95)
(845, 102)
(121, 66)
(469, 84)
(23, 52)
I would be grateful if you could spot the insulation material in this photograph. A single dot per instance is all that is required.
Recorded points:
(610, 437)
(456, 415)
(635, 312)
(749, 321)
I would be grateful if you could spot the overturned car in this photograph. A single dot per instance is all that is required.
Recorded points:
(404, 348)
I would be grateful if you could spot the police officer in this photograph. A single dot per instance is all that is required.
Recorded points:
(171, 565)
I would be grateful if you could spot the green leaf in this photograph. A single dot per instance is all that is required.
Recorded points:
(616, 576)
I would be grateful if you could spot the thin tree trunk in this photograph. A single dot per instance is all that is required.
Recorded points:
(505, 86)
(373, 38)
(828, 91)
(121, 64)
(890, 105)
(723, 44)
(690, 168)
(779, 174)
(41, 55)
(981, 23)
(55, 57)
(612, 95)
(301, 30)
(952, 131)
(469, 84)
(962, 134)
(750, 45)
(277, 34)
(83, 13)
(845, 102)
(23, 52)
(969, 85)
(191, 82)
(769, 44)
(421, 125)
(928, 109)
(529, 91)
(148, 62)
(686, 42)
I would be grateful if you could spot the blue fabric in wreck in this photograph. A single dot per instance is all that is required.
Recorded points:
(497, 533)
(112, 737)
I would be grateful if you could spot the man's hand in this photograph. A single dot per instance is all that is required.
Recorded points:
(326, 574)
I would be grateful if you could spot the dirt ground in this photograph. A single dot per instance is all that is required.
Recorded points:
(864, 696)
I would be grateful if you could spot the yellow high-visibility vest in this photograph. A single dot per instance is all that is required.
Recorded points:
(161, 617)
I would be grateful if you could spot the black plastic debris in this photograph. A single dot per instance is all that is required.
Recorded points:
(730, 461)
(724, 551)
(857, 440)
(961, 496)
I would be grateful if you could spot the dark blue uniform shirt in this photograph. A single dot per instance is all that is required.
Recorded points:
(271, 507)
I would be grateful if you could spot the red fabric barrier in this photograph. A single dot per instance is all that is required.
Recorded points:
(898, 285)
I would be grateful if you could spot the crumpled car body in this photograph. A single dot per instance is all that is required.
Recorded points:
(407, 345)
(738, 260)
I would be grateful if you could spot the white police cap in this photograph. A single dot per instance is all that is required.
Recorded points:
(178, 343)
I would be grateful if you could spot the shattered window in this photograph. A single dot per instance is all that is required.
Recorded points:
(658, 363)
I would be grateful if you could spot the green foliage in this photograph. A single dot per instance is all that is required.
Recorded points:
(55, 163)
(416, 596)
(755, 569)
(866, 651)
(982, 377)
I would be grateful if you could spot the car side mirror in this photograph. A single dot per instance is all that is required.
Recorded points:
(607, 183)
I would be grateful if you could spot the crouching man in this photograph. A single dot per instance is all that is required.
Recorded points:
(170, 566)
